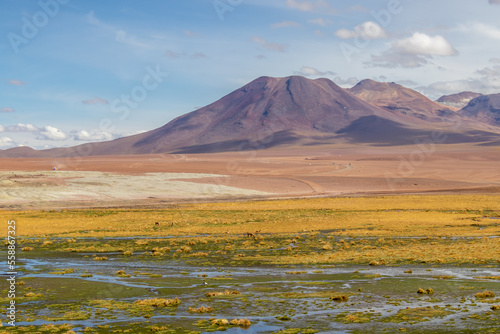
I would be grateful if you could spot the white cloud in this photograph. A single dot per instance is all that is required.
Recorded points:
(50, 133)
(310, 6)
(392, 59)
(307, 71)
(286, 24)
(414, 51)
(95, 100)
(367, 30)
(121, 36)
(358, 8)
(7, 110)
(6, 142)
(84, 135)
(2, 128)
(270, 46)
(349, 82)
(92, 19)
(481, 28)
(422, 44)
(16, 82)
(20, 127)
(304, 6)
(485, 81)
(320, 21)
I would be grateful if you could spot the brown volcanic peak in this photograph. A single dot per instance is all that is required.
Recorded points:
(270, 112)
(400, 100)
(262, 111)
(459, 100)
(20, 152)
(485, 108)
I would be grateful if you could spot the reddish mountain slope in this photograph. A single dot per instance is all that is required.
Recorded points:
(459, 100)
(271, 112)
(400, 100)
(267, 110)
(485, 109)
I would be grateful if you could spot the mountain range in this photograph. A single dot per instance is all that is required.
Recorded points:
(459, 100)
(296, 111)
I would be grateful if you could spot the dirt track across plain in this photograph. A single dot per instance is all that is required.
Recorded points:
(163, 179)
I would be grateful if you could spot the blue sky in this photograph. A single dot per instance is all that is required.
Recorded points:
(74, 71)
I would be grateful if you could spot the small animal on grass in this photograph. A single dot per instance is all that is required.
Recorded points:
(157, 224)
(251, 235)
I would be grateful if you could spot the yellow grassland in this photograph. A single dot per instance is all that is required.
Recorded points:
(384, 216)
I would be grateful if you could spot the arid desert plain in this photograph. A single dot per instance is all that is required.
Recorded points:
(162, 179)
(339, 240)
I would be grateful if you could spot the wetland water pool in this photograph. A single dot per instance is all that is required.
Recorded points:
(415, 264)
(107, 292)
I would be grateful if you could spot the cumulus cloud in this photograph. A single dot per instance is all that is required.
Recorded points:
(51, 133)
(6, 109)
(349, 82)
(414, 51)
(16, 82)
(367, 30)
(20, 127)
(320, 22)
(1, 128)
(286, 24)
(268, 45)
(95, 100)
(92, 19)
(84, 135)
(358, 8)
(307, 71)
(484, 81)
(422, 44)
(484, 29)
(6, 142)
(307, 6)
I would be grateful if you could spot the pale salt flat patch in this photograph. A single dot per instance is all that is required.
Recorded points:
(26, 187)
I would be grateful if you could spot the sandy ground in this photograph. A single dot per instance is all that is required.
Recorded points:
(166, 179)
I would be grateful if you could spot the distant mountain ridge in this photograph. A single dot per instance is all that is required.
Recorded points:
(280, 112)
(459, 100)
(485, 108)
(399, 100)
